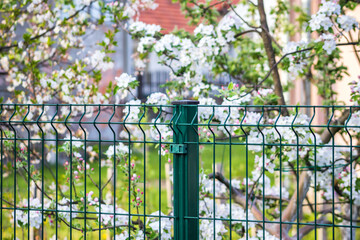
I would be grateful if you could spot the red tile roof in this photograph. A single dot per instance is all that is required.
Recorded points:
(168, 15)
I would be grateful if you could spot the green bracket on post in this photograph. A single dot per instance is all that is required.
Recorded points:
(186, 170)
(178, 148)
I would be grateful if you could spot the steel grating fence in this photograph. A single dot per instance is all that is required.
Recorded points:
(180, 171)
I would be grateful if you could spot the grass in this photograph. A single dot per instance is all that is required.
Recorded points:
(220, 156)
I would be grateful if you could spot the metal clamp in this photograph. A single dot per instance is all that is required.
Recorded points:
(178, 148)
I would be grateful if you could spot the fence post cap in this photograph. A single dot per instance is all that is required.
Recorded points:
(185, 102)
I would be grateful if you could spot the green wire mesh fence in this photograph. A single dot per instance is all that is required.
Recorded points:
(180, 171)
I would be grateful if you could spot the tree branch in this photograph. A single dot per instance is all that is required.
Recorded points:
(245, 32)
(4, 48)
(354, 48)
(271, 56)
(242, 19)
(307, 229)
(283, 57)
(326, 135)
(290, 212)
(241, 199)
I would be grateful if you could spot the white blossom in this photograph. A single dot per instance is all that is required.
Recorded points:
(157, 99)
(152, 29)
(263, 92)
(207, 230)
(4, 63)
(167, 42)
(230, 36)
(204, 29)
(165, 222)
(145, 42)
(75, 142)
(329, 7)
(329, 42)
(122, 236)
(297, 64)
(160, 131)
(206, 112)
(64, 209)
(97, 60)
(347, 23)
(109, 218)
(320, 20)
(120, 150)
(85, 2)
(132, 110)
(34, 215)
(229, 21)
(208, 186)
(124, 80)
(354, 122)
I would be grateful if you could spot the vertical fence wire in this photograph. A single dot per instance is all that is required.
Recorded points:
(14, 165)
(315, 169)
(280, 166)
(351, 171)
(28, 162)
(85, 170)
(1, 172)
(246, 175)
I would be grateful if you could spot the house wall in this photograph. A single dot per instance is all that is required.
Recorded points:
(300, 94)
(351, 62)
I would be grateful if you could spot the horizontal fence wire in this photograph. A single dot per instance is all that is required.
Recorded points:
(182, 171)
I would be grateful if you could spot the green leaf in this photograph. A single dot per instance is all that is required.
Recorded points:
(357, 184)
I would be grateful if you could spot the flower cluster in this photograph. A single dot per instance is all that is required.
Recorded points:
(347, 23)
(185, 55)
(157, 99)
(124, 80)
(297, 60)
(112, 216)
(355, 91)
(260, 235)
(207, 210)
(161, 132)
(324, 20)
(329, 42)
(65, 209)
(354, 122)
(144, 29)
(35, 216)
(132, 110)
(120, 151)
(99, 60)
(165, 222)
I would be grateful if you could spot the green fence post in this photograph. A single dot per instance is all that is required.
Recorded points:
(186, 169)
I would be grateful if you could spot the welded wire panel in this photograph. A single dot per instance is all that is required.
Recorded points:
(86, 171)
(179, 172)
(270, 172)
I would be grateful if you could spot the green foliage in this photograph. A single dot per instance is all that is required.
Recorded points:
(270, 99)
(328, 72)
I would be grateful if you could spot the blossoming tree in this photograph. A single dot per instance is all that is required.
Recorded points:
(43, 58)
